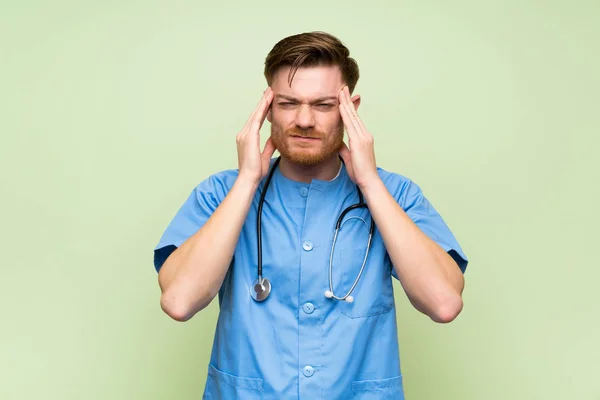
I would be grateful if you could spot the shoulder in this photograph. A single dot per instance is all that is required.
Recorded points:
(392, 178)
(217, 185)
(400, 186)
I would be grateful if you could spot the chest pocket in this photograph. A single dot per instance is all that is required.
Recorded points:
(373, 294)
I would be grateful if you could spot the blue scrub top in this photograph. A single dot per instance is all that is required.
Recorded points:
(298, 344)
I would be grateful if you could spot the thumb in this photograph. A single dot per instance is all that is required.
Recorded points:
(345, 154)
(267, 153)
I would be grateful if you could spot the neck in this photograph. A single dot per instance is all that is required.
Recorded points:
(325, 170)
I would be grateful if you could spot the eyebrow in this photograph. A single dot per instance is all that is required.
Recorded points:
(317, 100)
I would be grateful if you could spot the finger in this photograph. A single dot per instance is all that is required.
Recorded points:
(248, 123)
(258, 107)
(263, 110)
(353, 116)
(267, 154)
(351, 127)
(344, 111)
(360, 127)
(345, 154)
(269, 149)
(348, 99)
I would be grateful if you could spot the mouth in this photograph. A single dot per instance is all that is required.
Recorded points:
(305, 138)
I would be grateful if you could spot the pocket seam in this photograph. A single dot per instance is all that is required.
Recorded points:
(234, 381)
(373, 314)
(378, 385)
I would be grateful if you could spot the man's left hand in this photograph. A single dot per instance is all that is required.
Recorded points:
(359, 154)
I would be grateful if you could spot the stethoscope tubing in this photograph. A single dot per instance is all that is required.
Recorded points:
(265, 286)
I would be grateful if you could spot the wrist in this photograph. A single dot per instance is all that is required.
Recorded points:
(246, 182)
(373, 188)
(374, 184)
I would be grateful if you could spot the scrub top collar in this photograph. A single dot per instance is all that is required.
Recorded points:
(341, 180)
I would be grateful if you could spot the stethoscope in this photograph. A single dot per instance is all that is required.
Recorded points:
(261, 287)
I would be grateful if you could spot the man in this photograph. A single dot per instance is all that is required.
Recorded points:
(307, 310)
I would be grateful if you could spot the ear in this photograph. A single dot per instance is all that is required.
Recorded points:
(356, 101)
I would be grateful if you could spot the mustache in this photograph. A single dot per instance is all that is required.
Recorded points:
(307, 133)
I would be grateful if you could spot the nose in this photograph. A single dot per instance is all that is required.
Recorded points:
(304, 117)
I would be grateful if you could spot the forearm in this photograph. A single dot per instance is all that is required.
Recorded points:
(191, 276)
(432, 280)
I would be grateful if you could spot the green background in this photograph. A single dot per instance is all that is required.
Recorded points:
(111, 112)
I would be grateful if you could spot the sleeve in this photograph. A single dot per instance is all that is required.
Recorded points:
(191, 216)
(424, 215)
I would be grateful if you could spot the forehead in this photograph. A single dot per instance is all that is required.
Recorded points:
(308, 82)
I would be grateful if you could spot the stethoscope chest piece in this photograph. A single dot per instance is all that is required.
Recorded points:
(261, 288)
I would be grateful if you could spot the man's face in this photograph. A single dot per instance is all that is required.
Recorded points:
(306, 125)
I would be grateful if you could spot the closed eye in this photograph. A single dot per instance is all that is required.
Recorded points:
(286, 104)
(320, 106)
(325, 105)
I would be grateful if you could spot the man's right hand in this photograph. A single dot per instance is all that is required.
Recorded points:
(192, 275)
(254, 165)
